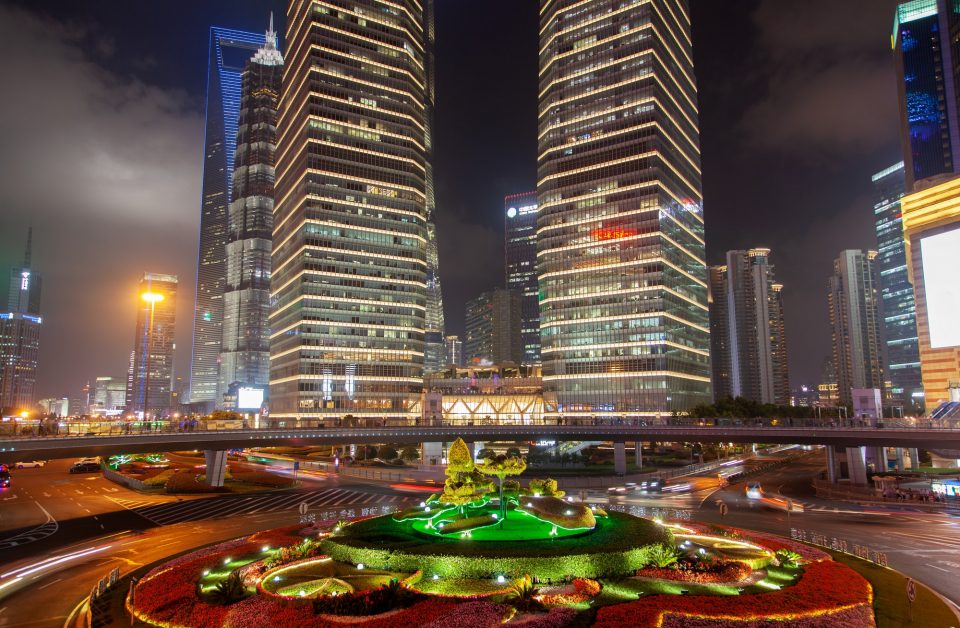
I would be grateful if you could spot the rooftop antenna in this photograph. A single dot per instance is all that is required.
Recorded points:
(29, 253)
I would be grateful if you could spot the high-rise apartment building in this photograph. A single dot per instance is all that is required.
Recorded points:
(747, 330)
(228, 54)
(493, 325)
(623, 283)
(854, 302)
(154, 343)
(350, 240)
(453, 350)
(926, 52)
(931, 226)
(245, 346)
(20, 323)
(520, 237)
(896, 291)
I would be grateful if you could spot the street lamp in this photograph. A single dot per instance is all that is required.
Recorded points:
(152, 298)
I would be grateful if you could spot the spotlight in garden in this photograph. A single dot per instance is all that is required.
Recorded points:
(226, 561)
(266, 548)
(436, 577)
(359, 565)
(501, 579)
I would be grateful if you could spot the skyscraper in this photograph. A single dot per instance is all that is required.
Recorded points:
(926, 56)
(350, 241)
(520, 238)
(621, 263)
(228, 54)
(20, 323)
(154, 343)
(245, 347)
(896, 291)
(854, 302)
(493, 325)
(453, 349)
(747, 329)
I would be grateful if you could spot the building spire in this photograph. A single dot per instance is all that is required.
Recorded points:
(269, 54)
(28, 255)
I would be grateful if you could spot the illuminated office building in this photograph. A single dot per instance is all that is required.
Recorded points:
(109, 395)
(748, 343)
(453, 350)
(931, 226)
(493, 323)
(623, 283)
(896, 291)
(926, 55)
(350, 240)
(520, 237)
(154, 345)
(229, 52)
(854, 302)
(20, 324)
(245, 346)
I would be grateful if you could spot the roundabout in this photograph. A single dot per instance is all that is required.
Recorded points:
(484, 553)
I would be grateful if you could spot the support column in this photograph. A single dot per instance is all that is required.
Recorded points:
(620, 458)
(900, 465)
(831, 464)
(216, 466)
(856, 465)
(880, 459)
(638, 454)
(914, 458)
(432, 453)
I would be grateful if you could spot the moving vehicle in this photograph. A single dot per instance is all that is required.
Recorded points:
(31, 464)
(85, 466)
(754, 490)
(4, 478)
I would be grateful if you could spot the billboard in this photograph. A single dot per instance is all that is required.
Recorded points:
(249, 398)
(941, 282)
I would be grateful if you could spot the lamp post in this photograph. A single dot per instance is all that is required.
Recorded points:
(152, 298)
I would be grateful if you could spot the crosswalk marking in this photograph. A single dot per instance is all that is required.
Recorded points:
(170, 513)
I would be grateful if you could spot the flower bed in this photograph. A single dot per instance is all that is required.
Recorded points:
(556, 618)
(856, 617)
(826, 587)
(769, 541)
(580, 591)
(472, 614)
(724, 571)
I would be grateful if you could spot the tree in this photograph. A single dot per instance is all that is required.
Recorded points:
(500, 467)
(410, 453)
(546, 487)
(513, 451)
(387, 452)
(485, 453)
(464, 484)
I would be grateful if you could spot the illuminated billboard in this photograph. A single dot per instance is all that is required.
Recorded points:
(249, 398)
(941, 283)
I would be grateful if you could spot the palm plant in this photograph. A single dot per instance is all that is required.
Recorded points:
(523, 597)
(229, 590)
(664, 555)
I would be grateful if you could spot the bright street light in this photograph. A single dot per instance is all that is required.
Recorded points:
(152, 297)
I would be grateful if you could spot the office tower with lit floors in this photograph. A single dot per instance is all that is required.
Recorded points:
(20, 324)
(623, 283)
(896, 291)
(493, 325)
(245, 346)
(350, 240)
(229, 51)
(520, 235)
(854, 303)
(748, 344)
(152, 375)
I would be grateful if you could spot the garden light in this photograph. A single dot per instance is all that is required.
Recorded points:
(226, 561)
(436, 577)
(303, 593)
(266, 548)
(206, 572)
(501, 579)
(276, 578)
(360, 566)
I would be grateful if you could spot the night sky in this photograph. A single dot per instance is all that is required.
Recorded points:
(102, 127)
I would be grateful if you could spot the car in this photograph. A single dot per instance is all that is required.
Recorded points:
(617, 490)
(754, 491)
(30, 464)
(4, 479)
(85, 466)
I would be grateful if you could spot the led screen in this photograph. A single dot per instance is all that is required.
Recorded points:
(941, 282)
(249, 398)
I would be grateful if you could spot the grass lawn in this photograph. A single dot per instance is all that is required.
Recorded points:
(461, 586)
(890, 604)
(627, 589)
(517, 526)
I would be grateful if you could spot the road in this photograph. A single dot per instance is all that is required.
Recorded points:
(60, 533)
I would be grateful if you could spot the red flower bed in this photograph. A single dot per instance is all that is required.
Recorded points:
(556, 618)
(472, 614)
(727, 571)
(858, 616)
(769, 541)
(825, 587)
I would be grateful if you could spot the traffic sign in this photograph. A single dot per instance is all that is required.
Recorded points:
(723, 508)
(911, 590)
(304, 506)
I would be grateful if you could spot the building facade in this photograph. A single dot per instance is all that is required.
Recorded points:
(109, 395)
(229, 51)
(520, 240)
(493, 325)
(487, 395)
(620, 240)
(20, 324)
(748, 344)
(350, 240)
(926, 52)
(453, 350)
(854, 303)
(931, 226)
(245, 344)
(896, 291)
(154, 343)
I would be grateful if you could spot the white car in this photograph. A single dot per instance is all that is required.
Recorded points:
(29, 464)
(754, 491)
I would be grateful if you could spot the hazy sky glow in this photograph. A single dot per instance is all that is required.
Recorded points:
(103, 134)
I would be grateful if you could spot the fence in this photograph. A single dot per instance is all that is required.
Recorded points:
(839, 545)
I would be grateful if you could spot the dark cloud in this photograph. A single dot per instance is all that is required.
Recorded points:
(107, 169)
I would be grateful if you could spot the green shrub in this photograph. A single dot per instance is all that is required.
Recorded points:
(523, 597)
(556, 511)
(160, 479)
(788, 558)
(229, 590)
(664, 555)
(467, 523)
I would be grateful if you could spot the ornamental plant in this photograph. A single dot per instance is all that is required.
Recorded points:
(524, 596)
(788, 558)
(546, 487)
(500, 467)
(664, 555)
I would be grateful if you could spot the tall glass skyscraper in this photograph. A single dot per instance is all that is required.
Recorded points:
(350, 240)
(621, 263)
(896, 290)
(245, 348)
(229, 52)
(154, 345)
(521, 267)
(926, 42)
(20, 324)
